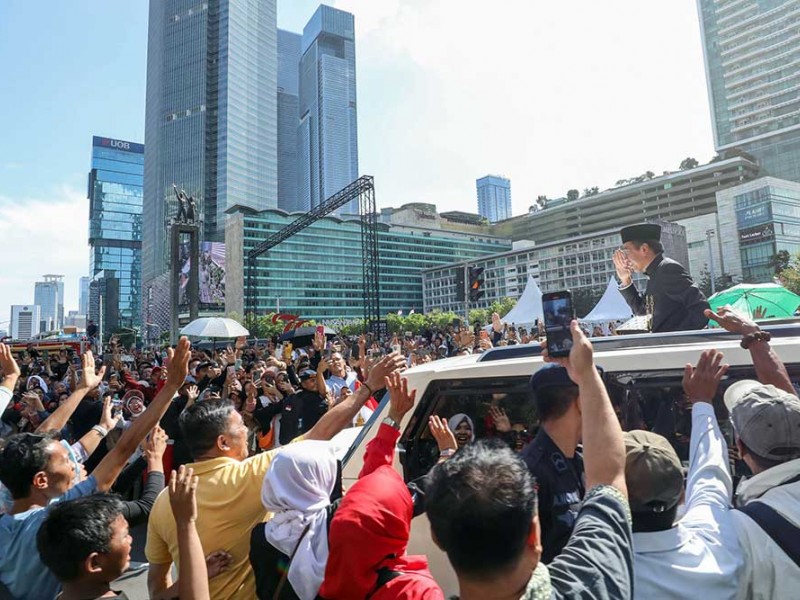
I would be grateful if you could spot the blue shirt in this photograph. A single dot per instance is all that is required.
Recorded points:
(21, 569)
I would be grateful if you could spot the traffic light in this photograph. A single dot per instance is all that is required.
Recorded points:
(475, 284)
(460, 291)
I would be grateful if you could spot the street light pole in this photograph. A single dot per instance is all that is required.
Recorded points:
(709, 235)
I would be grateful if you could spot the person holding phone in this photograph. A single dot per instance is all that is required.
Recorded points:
(673, 300)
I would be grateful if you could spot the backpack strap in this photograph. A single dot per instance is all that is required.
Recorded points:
(782, 531)
(385, 575)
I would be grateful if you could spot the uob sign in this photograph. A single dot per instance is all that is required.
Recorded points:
(119, 144)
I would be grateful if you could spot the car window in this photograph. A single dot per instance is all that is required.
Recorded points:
(651, 400)
(471, 398)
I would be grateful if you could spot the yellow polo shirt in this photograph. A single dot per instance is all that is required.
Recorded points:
(228, 507)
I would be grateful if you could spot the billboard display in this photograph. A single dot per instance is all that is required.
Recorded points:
(212, 274)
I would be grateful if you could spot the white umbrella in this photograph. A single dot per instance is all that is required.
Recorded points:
(214, 327)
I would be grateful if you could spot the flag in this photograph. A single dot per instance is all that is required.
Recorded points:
(400, 313)
(411, 313)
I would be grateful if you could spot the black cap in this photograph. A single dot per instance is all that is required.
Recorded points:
(551, 375)
(306, 374)
(641, 233)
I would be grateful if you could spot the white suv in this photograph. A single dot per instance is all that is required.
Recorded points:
(642, 374)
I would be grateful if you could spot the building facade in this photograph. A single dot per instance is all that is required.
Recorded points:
(494, 198)
(752, 58)
(25, 321)
(757, 220)
(327, 135)
(49, 297)
(671, 197)
(289, 45)
(210, 117)
(115, 194)
(317, 273)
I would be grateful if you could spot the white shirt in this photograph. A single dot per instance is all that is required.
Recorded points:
(700, 556)
(768, 572)
(5, 398)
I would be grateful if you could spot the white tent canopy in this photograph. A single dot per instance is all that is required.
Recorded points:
(611, 307)
(529, 306)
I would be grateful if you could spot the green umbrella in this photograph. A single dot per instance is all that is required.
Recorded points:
(775, 300)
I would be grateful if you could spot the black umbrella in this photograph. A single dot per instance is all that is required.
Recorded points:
(304, 336)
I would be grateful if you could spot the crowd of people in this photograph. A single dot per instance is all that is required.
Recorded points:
(225, 454)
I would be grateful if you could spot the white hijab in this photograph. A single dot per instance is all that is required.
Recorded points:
(456, 420)
(297, 489)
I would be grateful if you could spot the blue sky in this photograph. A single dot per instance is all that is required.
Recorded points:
(554, 95)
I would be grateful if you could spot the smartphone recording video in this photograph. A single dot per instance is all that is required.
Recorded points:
(558, 314)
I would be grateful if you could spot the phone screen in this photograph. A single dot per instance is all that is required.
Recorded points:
(558, 313)
(231, 370)
(320, 330)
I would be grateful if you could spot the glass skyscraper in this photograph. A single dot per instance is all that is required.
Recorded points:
(752, 56)
(289, 45)
(494, 198)
(328, 132)
(115, 232)
(210, 118)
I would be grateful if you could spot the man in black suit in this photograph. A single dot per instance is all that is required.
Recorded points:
(671, 297)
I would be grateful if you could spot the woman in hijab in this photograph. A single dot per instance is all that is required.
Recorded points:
(463, 428)
(367, 544)
(288, 553)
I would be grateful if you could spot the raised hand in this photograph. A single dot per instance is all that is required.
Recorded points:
(8, 365)
(182, 490)
(218, 562)
(701, 382)
(623, 267)
(90, 379)
(732, 321)
(178, 363)
(400, 399)
(154, 446)
(108, 420)
(319, 341)
(441, 432)
(759, 312)
(378, 372)
(501, 421)
(497, 324)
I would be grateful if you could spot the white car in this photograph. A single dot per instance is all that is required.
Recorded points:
(642, 374)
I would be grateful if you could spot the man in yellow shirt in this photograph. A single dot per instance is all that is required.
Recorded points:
(229, 493)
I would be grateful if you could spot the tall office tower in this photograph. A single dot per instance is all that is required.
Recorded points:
(48, 295)
(115, 226)
(752, 56)
(210, 116)
(25, 321)
(494, 198)
(83, 291)
(328, 134)
(289, 45)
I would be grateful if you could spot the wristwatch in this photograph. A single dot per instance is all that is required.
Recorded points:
(391, 423)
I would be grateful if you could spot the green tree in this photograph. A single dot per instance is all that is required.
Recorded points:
(689, 163)
(723, 282)
(780, 261)
(573, 195)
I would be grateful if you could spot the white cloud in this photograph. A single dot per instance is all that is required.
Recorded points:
(42, 235)
(554, 95)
